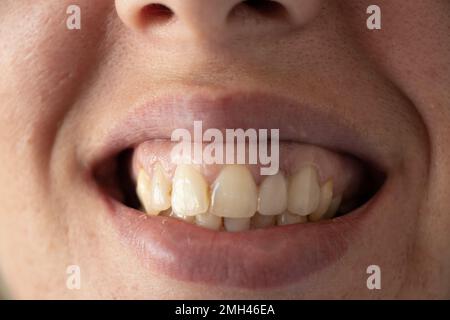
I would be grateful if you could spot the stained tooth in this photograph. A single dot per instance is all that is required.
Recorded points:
(209, 221)
(288, 218)
(326, 195)
(273, 195)
(190, 219)
(189, 192)
(154, 192)
(333, 208)
(259, 221)
(234, 193)
(236, 224)
(304, 192)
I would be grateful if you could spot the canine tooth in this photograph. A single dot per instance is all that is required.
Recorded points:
(189, 192)
(333, 208)
(234, 193)
(154, 192)
(273, 195)
(326, 195)
(236, 224)
(304, 192)
(288, 218)
(259, 221)
(208, 221)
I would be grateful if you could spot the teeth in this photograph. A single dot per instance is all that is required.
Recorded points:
(236, 224)
(154, 192)
(304, 192)
(288, 218)
(334, 206)
(209, 221)
(273, 195)
(234, 193)
(235, 202)
(259, 221)
(326, 195)
(190, 192)
(190, 219)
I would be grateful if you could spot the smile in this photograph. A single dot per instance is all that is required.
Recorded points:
(226, 224)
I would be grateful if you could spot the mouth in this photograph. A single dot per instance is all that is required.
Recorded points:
(226, 224)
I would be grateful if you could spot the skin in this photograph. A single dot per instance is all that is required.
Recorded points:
(59, 88)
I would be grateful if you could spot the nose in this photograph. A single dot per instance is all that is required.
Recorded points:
(217, 18)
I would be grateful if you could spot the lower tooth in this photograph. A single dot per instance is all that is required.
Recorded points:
(236, 224)
(259, 221)
(190, 219)
(289, 218)
(208, 221)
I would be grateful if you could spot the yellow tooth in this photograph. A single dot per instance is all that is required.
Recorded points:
(154, 192)
(304, 192)
(209, 221)
(333, 208)
(234, 193)
(288, 218)
(259, 221)
(190, 219)
(189, 192)
(236, 224)
(273, 195)
(326, 195)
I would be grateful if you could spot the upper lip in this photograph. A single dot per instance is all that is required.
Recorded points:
(306, 123)
(266, 258)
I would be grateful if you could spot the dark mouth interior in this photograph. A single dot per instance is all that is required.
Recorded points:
(115, 178)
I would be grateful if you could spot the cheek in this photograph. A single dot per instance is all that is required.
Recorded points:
(43, 69)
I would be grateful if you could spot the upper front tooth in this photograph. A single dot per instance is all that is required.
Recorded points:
(326, 195)
(273, 195)
(304, 192)
(234, 193)
(154, 192)
(189, 192)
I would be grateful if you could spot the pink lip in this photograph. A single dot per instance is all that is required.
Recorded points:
(255, 259)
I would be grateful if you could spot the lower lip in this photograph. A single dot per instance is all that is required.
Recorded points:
(256, 259)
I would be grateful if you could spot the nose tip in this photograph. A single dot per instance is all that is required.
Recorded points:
(217, 18)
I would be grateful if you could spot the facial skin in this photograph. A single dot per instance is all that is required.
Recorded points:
(60, 90)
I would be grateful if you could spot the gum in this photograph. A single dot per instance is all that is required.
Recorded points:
(346, 172)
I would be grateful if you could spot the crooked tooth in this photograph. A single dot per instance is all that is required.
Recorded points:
(234, 193)
(273, 195)
(288, 218)
(154, 192)
(304, 192)
(259, 221)
(208, 221)
(189, 192)
(236, 224)
(333, 208)
(326, 195)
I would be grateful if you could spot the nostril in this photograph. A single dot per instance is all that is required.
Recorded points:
(263, 8)
(155, 13)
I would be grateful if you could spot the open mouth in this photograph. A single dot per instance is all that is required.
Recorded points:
(226, 223)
